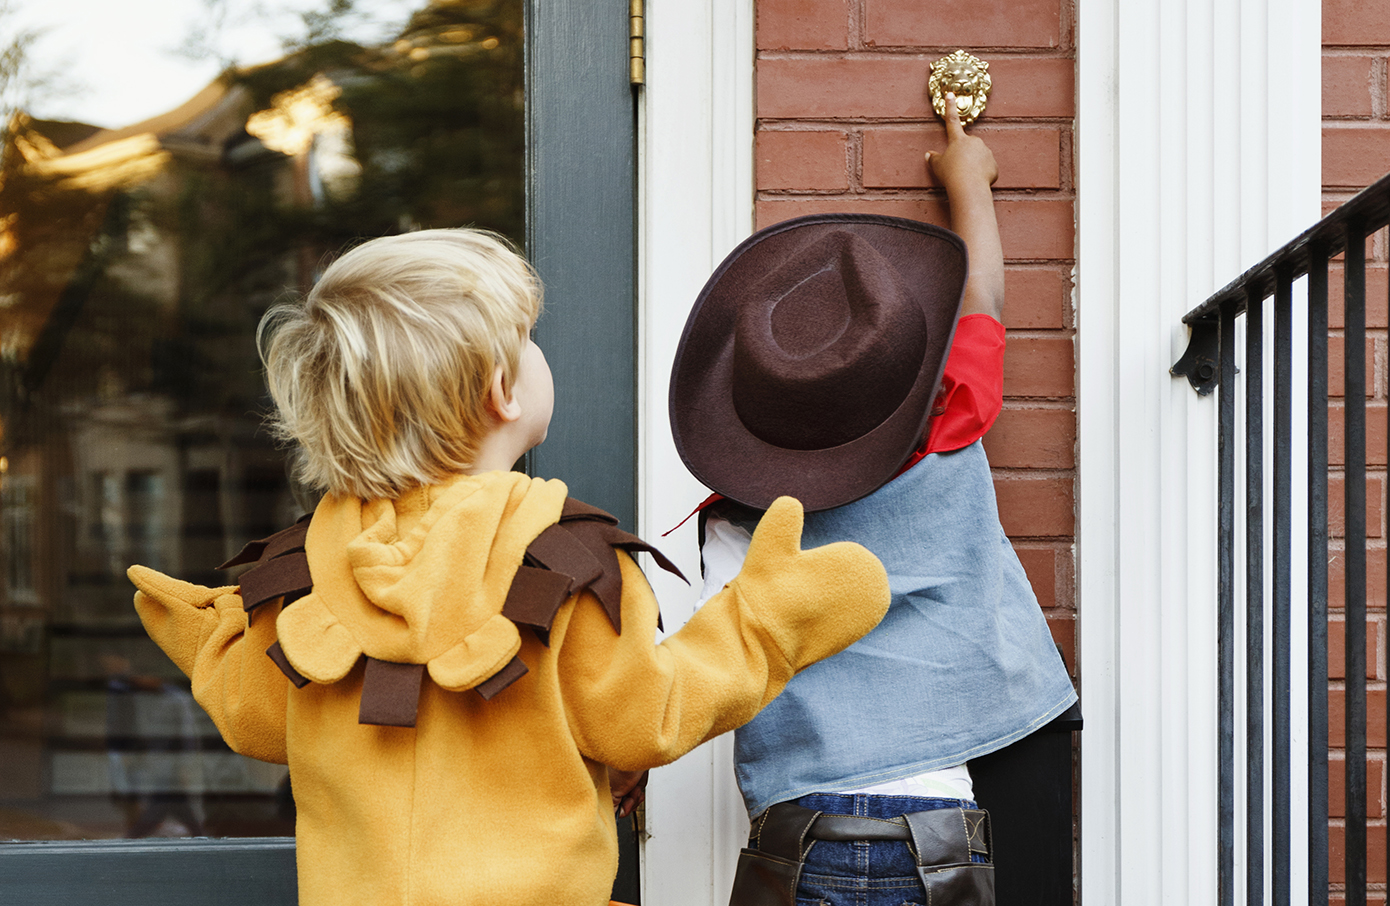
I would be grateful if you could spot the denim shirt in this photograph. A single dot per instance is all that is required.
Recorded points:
(962, 665)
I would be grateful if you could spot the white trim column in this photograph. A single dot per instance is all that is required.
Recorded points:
(1198, 151)
(696, 203)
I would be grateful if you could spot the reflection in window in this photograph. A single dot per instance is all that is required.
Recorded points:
(135, 263)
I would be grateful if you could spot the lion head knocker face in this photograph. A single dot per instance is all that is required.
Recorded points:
(965, 76)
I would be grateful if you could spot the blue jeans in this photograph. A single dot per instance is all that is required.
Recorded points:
(879, 873)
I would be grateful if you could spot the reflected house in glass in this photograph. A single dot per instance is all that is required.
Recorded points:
(134, 266)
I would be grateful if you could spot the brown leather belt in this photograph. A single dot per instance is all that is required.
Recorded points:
(943, 841)
(852, 829)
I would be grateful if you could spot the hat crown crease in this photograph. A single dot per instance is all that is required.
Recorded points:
(830, 357)
(812, 316)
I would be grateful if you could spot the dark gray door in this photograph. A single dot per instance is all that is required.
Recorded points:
(581, 205)
(136, 263)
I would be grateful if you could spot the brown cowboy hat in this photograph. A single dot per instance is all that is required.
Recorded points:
(810, 361)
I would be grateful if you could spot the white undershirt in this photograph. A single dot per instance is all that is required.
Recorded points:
(726, 546)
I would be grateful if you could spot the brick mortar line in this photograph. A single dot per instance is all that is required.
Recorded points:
(855, 144)
(931, 193)
(1377, 755)
(857, 27)
(1037, 333)
(920, 51)
(1378, 87)
(808, 124)
(1059, 121)
(1019, 474)
(914, 194)
(885, 195)
(1067, 17)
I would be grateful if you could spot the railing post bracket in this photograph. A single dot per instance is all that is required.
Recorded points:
(1200, 362)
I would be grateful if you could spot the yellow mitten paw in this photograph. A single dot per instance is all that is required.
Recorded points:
(814, 602)
(170, 590)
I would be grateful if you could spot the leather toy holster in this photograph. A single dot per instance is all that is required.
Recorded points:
(943, 840)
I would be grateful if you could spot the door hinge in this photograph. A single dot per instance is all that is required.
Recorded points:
(636, 39)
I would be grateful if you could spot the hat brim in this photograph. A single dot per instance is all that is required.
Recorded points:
(709, 435)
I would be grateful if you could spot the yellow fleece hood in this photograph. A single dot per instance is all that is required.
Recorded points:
(420, 579)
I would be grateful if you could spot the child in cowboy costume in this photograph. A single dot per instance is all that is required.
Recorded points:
(815, 364)
(449, 654)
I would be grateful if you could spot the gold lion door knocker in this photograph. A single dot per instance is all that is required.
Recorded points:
(965, 76)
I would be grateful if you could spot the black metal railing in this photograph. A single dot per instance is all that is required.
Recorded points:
(1211, 362)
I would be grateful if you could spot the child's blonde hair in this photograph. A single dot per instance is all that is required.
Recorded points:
(381, 374)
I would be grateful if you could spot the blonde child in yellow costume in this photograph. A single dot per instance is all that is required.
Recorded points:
(452, 656)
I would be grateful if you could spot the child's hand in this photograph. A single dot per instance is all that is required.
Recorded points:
(967, 160)
(967, 169)
(629, 789)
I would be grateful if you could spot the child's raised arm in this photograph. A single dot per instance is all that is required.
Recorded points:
(967, 170)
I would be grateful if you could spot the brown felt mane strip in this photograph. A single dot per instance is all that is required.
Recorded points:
(578, 509)
(286, 576)
(513, 671)
(277, 654)
(574, 554)
(281, 570)
(282, 542)
(390, 693)
(535, 596)
(560, 550)
(597, 533)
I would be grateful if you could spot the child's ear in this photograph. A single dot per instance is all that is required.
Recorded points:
(503, 404)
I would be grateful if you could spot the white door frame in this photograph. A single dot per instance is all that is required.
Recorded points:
(695, 138)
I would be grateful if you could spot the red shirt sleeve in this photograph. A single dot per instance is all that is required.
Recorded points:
(972, 388)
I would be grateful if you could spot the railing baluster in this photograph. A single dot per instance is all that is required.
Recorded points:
(1354, 482)
(1226, 612)
(1344, 231)
(1254, 597)
(1317, 579)
(1282, 684)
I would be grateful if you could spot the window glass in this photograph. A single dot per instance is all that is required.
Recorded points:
(169, 169)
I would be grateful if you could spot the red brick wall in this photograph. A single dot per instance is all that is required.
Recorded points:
(843, 119)
(1355, 153)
